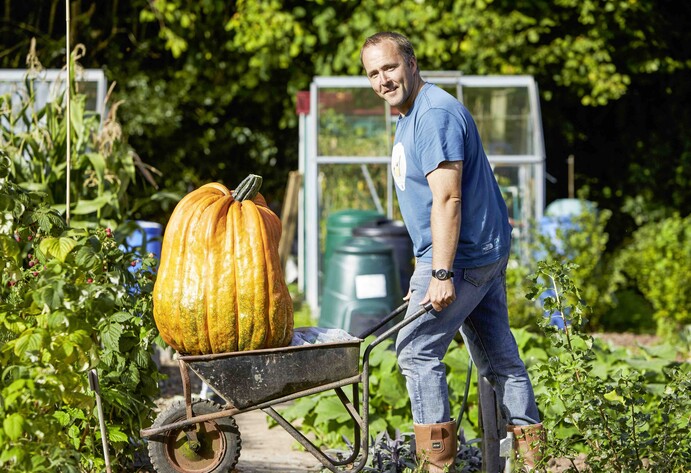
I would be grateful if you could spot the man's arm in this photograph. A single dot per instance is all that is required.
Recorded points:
(445, 184)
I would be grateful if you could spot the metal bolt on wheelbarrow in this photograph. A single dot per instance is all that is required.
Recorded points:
(201, 436)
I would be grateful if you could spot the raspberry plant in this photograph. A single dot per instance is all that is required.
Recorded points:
(69, 303)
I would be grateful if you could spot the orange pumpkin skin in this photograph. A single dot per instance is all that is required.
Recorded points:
(220, 287)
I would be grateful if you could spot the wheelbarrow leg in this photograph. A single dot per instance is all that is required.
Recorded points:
(359, 433)
(190, 431)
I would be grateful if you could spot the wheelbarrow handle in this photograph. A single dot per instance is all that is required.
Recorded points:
(423, 310)
(396, 312)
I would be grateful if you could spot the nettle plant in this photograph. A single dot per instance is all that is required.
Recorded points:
(70, 302)
(606, 410)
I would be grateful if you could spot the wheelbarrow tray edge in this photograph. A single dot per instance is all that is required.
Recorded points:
(247, 378)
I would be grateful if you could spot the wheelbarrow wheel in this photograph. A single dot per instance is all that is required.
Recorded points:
(219, 442)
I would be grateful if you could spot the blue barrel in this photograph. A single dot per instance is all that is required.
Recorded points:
(361, 286)
(145, 239)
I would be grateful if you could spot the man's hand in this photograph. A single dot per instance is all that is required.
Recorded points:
(440, 293)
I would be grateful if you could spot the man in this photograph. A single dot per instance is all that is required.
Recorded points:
(458, 222)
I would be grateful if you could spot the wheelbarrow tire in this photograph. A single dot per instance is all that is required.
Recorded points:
(219, 440)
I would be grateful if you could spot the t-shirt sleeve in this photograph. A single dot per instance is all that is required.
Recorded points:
(439, 137)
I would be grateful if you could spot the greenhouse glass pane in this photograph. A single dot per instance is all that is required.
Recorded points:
(503, 117)
(518, 186)
(352, 122)
(351, 187)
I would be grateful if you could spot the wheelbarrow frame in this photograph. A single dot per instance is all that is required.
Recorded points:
(358, 413)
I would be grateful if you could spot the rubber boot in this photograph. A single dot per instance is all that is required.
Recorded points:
(528, 443)
(435, 446)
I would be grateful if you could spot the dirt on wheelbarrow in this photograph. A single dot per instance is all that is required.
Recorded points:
(264, 449)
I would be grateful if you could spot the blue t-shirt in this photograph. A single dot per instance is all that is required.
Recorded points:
(439, 128)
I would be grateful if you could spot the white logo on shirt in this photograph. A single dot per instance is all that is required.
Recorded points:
(398, 165)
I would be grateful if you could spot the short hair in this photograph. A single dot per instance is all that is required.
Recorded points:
(404, 45)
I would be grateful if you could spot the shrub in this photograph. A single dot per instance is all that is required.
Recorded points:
(71, 299)
(69, 303)
(657, 262)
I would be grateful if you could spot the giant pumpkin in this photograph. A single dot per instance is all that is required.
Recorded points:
(220, 286)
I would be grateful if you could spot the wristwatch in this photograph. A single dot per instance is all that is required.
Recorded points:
(442, 274)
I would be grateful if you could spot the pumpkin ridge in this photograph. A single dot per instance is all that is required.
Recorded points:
(281, 307)
(170, 280)
(262, 294)
(252, 294)
(244, 318)
(191, 285)
(217, 328)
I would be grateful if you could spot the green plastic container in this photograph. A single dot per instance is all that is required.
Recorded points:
(361, 286)
(395, 234)
(339, 228)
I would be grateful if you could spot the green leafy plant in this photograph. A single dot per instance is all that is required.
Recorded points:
(72, 300)
(656, 263)
(103, 167)
(579, 239)
(606, 409)
(600, 405)
(69, 303)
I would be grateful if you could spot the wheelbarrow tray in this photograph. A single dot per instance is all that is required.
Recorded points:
(248, 378)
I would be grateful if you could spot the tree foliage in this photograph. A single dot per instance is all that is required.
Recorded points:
(210, 85)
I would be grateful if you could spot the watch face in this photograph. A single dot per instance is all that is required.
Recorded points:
(441, 274)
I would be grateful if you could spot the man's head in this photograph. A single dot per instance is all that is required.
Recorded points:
(391, 67)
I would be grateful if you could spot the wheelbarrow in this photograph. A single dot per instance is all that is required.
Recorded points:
(201, 436)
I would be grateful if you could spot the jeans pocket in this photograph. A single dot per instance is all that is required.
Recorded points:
(481, 275)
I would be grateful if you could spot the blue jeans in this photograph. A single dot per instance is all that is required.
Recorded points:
(481, 314)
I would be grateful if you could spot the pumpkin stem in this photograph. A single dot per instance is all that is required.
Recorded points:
(248, 188)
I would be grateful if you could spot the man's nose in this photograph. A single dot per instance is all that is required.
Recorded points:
(383, 78)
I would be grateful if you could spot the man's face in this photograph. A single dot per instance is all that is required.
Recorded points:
(392, 77)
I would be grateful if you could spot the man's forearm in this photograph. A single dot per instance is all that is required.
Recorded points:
(446, 224)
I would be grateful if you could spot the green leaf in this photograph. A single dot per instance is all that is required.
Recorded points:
(74, 435)
(13, 425)
(87, 258)
(58, 247)
(9, 246)
(666, 351)
(62, 417)
(29, 341)
(120, 316)
(115, 434)
(301, 407)
(13, 455)
(84, 207)
(98, 161)
(110, 335)
(331, 409)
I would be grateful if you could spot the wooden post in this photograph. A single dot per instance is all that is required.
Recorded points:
(570, 162)
(289, 216)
